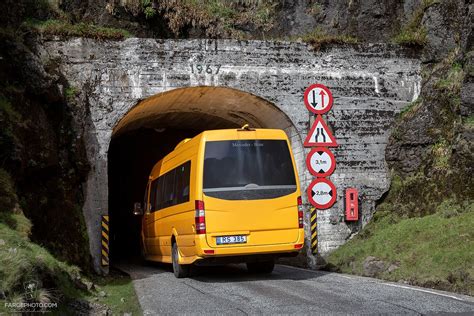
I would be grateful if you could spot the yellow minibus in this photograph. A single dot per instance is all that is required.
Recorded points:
(224, 196)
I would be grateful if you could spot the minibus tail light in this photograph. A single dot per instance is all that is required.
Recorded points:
(200, 217)
(300, 212)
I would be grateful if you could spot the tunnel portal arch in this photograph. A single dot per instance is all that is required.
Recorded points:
(152, 128)
(371, 84)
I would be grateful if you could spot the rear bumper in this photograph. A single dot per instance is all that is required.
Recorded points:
(236, 251)
(217, 260)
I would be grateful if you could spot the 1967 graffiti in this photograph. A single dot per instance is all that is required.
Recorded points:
(208, 69)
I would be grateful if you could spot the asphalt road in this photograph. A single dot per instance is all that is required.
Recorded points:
(232, 290)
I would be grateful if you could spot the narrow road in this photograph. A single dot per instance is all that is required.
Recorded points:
(289, 290)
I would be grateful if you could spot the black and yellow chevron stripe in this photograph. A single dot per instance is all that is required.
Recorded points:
(105, 240)
(314, 231)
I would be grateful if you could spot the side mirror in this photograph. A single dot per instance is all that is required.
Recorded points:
(137, 208)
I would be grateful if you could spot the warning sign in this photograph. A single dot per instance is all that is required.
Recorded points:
(318, 98)
(321, 193)
(320, 162)
(320, 135)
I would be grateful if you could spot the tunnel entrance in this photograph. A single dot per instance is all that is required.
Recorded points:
(152, 129)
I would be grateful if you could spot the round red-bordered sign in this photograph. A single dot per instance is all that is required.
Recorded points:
(321, 162)
(318, 98)
(321, 193)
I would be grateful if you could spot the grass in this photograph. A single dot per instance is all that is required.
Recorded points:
(121, 297)
(62, 28)
(411, 108)
(469, 121)
(23, 261)
(452, 82)
(441, 153)
(70, 93)
(318, 38)
(219, 18)
(435, 250)
(411, 37)
(314, 9)
(413, 34)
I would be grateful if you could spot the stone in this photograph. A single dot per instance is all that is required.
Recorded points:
(83, 284)
(392, 267)
(373, 266)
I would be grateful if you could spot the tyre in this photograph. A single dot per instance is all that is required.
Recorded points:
(179, 270)
(261, 267)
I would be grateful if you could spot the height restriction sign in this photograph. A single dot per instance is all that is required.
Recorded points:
(320, 162)
(318, 98)
(321, 193)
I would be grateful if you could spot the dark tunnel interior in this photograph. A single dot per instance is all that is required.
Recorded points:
(131, 157)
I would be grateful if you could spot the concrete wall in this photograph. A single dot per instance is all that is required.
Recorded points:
(370, 84)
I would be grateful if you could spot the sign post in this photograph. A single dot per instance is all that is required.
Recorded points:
(320, 161)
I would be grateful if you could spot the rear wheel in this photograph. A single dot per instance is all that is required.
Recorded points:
(179, 270)
(261, 267)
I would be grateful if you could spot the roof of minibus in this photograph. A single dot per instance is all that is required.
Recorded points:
(223, 134)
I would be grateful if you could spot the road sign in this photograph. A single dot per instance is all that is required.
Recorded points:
(320, 162)
(318, 98)
(321, 193)
(320, 135)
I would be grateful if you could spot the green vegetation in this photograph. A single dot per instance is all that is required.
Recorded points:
(319, 37)
(120, 295)
(411, 108)
(70, 93)
(469, 121)
(452, 82)
(148, 9)
(217, 18)
(434, 251)
(23, 262)
(66, 29)
(314, 9)
(441, 153)
(413, 34)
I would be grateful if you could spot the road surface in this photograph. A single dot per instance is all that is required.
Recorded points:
(231, 290)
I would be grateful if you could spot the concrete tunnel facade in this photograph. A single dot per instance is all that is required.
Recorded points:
(136, 83)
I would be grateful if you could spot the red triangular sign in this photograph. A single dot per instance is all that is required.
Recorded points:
(320, 135)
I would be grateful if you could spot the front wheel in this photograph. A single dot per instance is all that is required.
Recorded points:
(179, 270)
(261, 267)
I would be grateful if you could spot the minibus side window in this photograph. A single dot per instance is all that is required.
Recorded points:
(168, 188)
(172, 188)
(159, 193)
(153, 195)
(182, 182)
(145, 200)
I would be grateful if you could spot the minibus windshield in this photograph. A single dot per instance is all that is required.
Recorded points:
(248, 169)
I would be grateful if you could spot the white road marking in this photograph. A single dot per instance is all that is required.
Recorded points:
(423, 290)
(377, 281)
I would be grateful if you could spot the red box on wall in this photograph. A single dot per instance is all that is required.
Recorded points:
(352, 204)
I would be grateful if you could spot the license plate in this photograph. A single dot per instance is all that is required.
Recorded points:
(224, 240)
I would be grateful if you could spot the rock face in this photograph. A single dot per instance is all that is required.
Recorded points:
(370, 83)
(373, 266)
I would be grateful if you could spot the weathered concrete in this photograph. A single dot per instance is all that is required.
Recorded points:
(370, 84)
